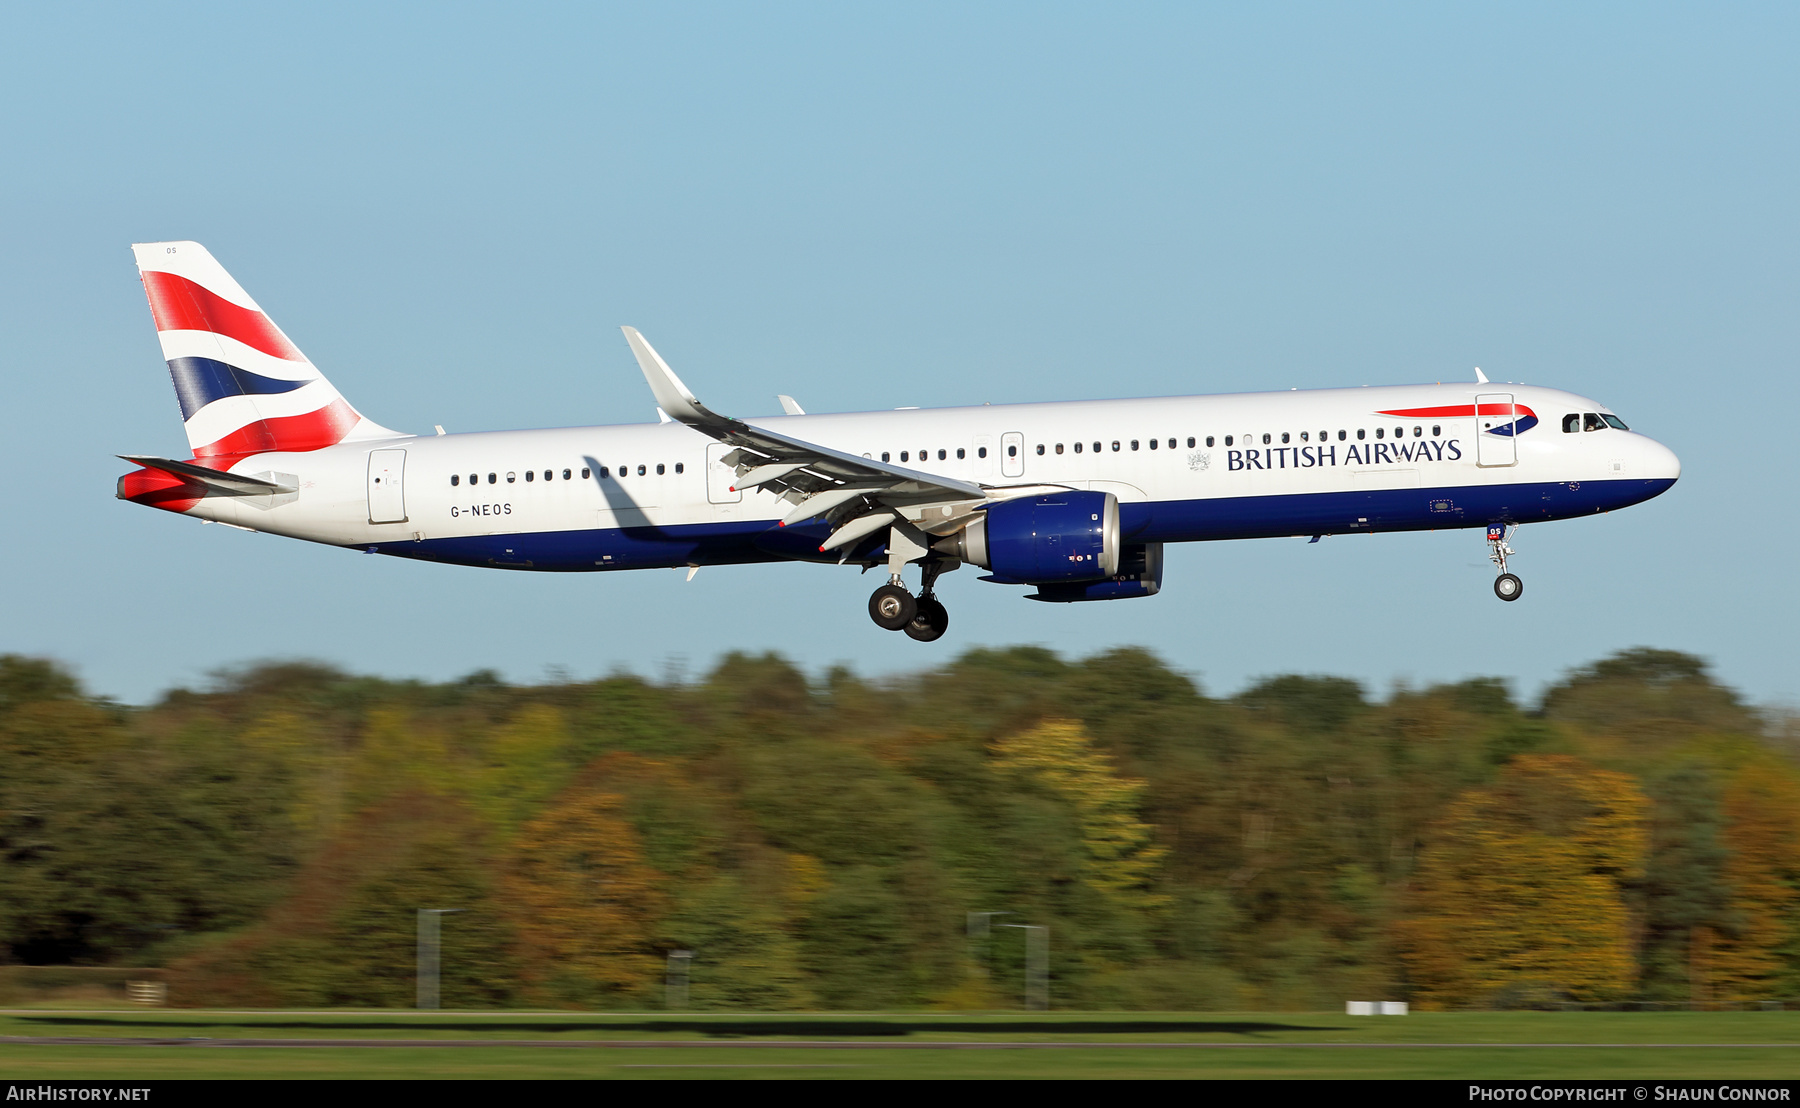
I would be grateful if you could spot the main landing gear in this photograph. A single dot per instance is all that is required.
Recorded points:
(922, 618)
(1507, 586)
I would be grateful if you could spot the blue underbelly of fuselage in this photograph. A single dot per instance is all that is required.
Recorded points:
(1241, 517)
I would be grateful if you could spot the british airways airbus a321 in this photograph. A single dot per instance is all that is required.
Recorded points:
(1073, 500)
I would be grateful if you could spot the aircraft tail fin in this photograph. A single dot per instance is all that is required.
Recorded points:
(244, 388)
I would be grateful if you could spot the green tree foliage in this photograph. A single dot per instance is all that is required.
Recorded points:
(821, 842)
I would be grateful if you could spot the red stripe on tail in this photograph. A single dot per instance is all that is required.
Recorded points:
(312, 431)
(181, 305)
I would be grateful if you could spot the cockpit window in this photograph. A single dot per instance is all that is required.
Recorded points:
(1571, 423)
(1591, 421)
(1615, 422)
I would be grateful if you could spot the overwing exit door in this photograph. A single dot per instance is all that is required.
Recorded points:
(387, 486)
(720, 477)
(1495, 428)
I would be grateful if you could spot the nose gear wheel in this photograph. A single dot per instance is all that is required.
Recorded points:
(1507, 586)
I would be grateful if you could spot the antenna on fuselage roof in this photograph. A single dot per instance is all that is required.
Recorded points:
(1480, 376)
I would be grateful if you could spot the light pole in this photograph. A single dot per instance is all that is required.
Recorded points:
(1037, 965)
(430, 926)
(677, 980)
(980, 923)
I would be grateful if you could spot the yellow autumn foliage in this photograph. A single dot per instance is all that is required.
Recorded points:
(1518, 896)
(1120, 858)
(585, 902)
(1762, 829)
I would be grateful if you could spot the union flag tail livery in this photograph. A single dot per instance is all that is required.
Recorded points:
(244, 388)
(1074, 500)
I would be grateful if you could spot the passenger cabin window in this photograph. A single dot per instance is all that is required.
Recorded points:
(1096, 448)
(1191, 442)
(1134, 444)
(1436, 430)
(530, 474)
(1377, 432)
(941, 455)
(1227, 440)
(1153, 444)
(1284, 436)
(1360, 433)
(641, 470)
(980, 452)
(493, 479)
(511, 477)
(659, 469)
(960, 454)
(1303, 437)
(455, 479)
(1343, 434)
(678, 467)
(1209, 441)
(584, 473)
(1059, 448)
(1040, 449)
(1011, 452)
(1172, 443)
(1115, 446)
(884, 456)
(905, 455)
(566, 475)
(1266, 440)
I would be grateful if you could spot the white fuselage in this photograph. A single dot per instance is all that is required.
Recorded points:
(1297, 462)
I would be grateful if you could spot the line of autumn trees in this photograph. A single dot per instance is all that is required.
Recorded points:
(819, 844)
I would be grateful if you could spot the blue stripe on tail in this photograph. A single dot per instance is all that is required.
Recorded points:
(200, 381)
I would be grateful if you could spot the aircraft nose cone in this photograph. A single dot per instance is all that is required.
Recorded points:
(1660, 463)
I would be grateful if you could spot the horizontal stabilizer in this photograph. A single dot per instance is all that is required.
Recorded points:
(231, 484)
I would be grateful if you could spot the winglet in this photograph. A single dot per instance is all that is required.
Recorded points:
(1480, 376)
(790, 405)
(671, 395)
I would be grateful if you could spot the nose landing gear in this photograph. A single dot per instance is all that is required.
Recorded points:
(1507, 586)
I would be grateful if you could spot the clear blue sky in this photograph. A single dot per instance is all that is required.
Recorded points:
(452, 208)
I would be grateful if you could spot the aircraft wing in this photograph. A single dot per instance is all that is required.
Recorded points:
(859, 495)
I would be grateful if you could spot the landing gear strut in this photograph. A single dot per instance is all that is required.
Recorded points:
(931, 620)
(1507, 586)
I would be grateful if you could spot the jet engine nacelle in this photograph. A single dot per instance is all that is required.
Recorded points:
(1037, 540)
(1140, 574)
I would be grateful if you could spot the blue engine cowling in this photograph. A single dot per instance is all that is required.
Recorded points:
(1035, 540)
(1140, 574)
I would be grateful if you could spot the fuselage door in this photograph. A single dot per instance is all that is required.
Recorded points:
(719, 476)
(1495, 412)
(1012, 454)
(387, 486)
